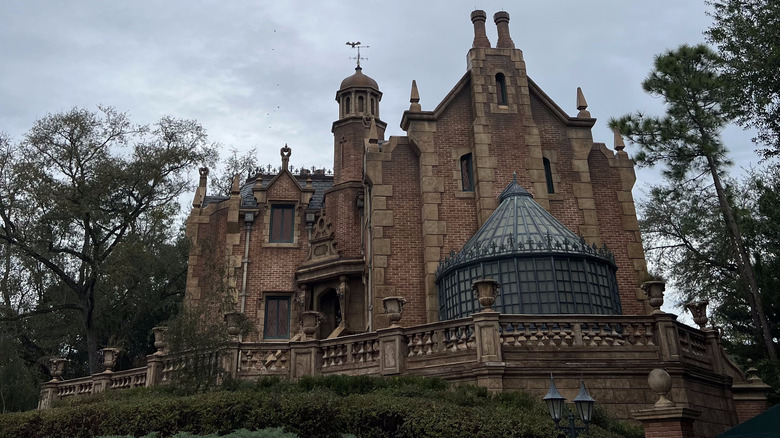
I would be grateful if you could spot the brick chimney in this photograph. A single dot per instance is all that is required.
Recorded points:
(478, 17)
(502, 23)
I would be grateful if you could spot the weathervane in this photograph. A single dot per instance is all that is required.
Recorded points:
(356, 45)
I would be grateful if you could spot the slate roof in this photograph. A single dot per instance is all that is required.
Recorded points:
(320, 182)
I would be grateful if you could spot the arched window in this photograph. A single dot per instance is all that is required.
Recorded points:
(548, 175)
(373, 107)
(347, 105)
(467, 173)
(501, 88)
(361, 104)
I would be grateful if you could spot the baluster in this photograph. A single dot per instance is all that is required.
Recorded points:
(410, 346)
(606, 333)
(649, 333)
(556, 339)
(520, 338)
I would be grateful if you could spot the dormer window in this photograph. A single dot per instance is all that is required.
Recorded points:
(282, 224)
(501, 88)
(466, 173)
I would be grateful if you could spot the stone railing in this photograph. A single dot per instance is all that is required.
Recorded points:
(129, 378)
(450, 349)
(561, 331)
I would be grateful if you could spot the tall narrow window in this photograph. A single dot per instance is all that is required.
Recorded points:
(467, 173)
(360, 107)
(373, 107)
(548, 175)
(348, 105)
(277, 318)
(282, 223)
(501, 88)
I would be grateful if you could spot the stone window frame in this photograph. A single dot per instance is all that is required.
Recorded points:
(501, 96)
(552, 157)
(295, 227)
(510, 105)
(269, 297)
(457, 153)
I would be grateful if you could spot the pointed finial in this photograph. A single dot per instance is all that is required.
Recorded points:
(235, 189)
(373, 136)
(356, 45)
(415, 98)
(619, 145)
(285, 152)
(582, 104)
(514, 180)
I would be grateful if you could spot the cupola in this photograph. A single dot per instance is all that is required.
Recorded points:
(358, 96)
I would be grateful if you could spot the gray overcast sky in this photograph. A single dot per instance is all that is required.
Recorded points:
(265, 73)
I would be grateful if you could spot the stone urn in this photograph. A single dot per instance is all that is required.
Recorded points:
(654, 289)
(394, 308)
(233, 320)
(661, 383)
(310, 320)
(56, 368)
(698, 310)
(109, 359)
(486, 291)
(160, 343)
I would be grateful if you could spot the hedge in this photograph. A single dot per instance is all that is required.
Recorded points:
(314, 407)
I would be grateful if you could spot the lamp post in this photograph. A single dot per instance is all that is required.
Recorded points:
(583, 402)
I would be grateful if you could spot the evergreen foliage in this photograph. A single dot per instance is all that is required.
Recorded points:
(315, 407)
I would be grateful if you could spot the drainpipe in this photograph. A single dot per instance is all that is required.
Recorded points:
(370, 256)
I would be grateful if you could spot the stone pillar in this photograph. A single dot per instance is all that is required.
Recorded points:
(750, 397)
(665, 419)
(486, 334)
(154, 368)
(227, 358)
(671, 422)
(101, 382)
(48, 395)
(667, 337)
(305, 359)
(392, 351)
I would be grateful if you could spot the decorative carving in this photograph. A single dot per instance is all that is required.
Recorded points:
(661, 383)
(367, 119)
(286, 152)
(655, 294)
(109, 359)
(311, 320)
(486, 291)
(322, 244)
(56, 368)
(341, 293)
(394, 308)
(698, 310)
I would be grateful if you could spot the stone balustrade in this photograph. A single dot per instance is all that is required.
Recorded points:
(500, 352)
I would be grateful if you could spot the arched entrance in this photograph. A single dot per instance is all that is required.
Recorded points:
(328, 304)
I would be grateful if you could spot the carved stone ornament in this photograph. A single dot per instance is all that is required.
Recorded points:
(160, 343)
(321, 244)
(367, 120)
(698, 310)
(661, 383)
(486, 291)
(109, 359)
(394, 308)
(233, 320)
(654, 290)
(56, 368)
(310, 321)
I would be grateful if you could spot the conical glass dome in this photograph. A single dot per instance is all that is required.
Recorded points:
(542, 266)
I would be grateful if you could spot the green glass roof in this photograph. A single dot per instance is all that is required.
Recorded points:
(520, 225)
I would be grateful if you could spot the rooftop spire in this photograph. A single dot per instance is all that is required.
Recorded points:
(582, 105)
(414, 99)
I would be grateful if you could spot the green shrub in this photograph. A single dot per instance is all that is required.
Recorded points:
(314, 407)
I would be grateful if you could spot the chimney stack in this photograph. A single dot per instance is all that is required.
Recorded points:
(478, 17)
(502, 23)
